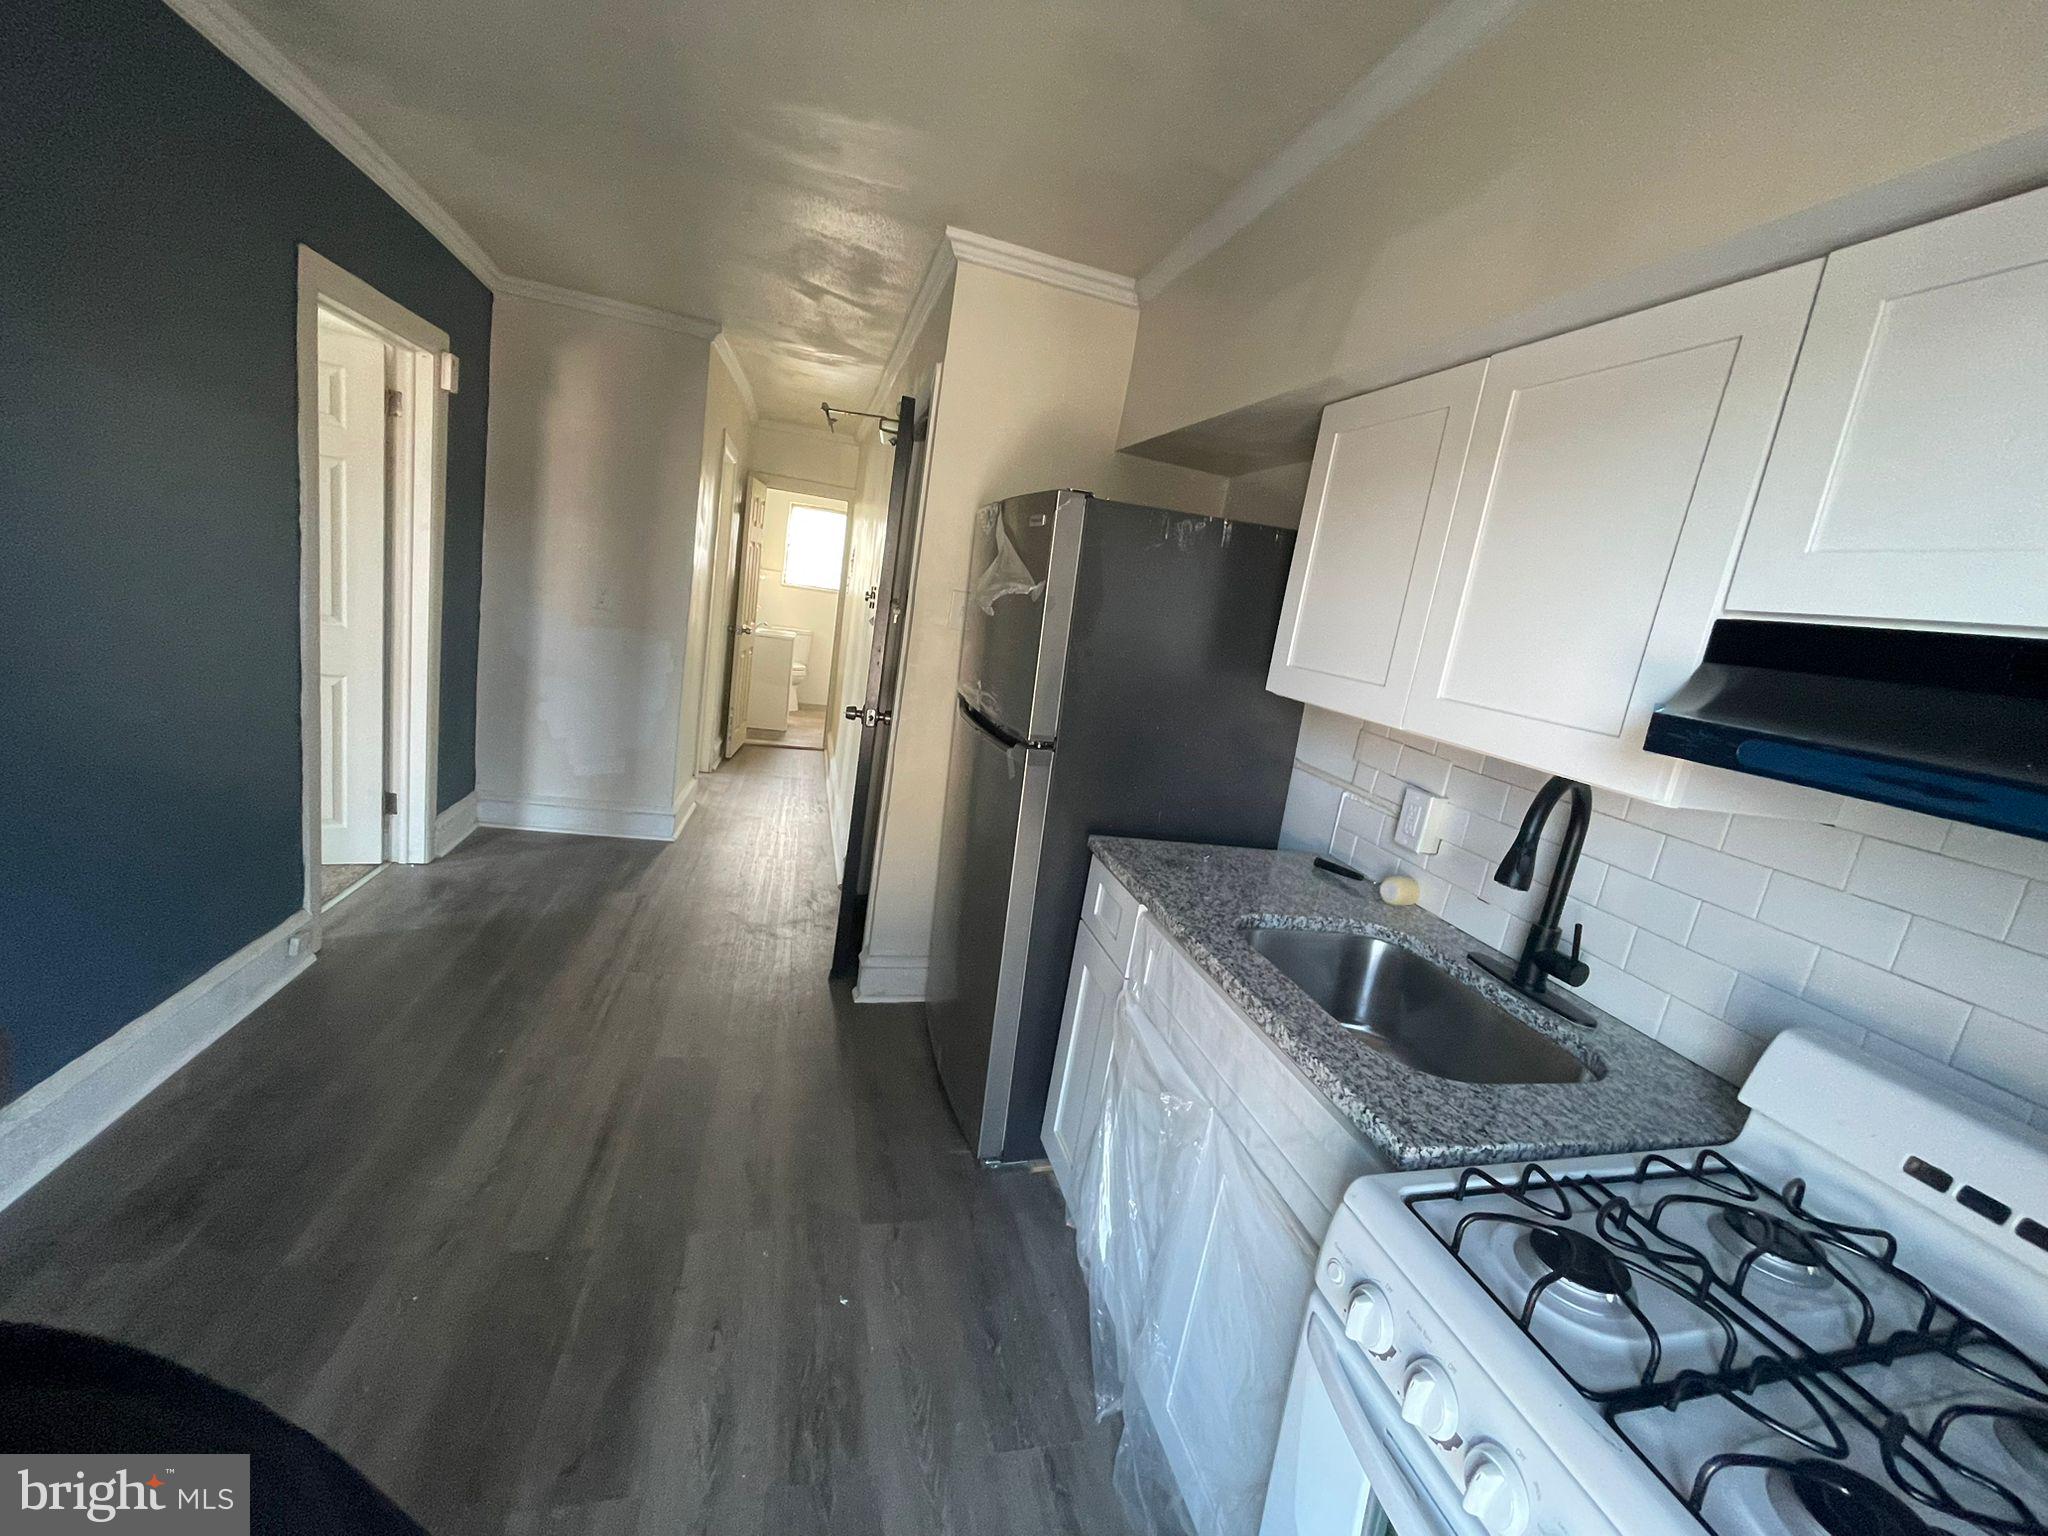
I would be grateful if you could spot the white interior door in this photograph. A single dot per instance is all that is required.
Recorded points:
(746, 610)
(352, 496)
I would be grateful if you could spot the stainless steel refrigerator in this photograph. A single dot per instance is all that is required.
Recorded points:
(1112, 680)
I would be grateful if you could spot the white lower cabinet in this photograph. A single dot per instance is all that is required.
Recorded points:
(1074, 1107)
(1201, 1169)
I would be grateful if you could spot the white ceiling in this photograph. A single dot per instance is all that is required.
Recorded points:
(786, 167)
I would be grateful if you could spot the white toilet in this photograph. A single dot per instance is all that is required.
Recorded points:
(800, 656)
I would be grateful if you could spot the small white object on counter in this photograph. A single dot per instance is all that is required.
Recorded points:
(1400, 891)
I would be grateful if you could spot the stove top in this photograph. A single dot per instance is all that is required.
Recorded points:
(1766, 1352)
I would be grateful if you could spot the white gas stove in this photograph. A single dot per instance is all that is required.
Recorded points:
(1835, 1324)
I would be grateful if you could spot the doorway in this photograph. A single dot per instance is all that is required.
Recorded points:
(790, 582)
(373, 378)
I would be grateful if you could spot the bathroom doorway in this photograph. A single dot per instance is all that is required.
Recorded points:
(796, 617)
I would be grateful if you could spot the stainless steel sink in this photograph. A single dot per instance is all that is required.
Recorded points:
(1413, 1011)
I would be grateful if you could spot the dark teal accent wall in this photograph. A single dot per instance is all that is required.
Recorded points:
(152, 201)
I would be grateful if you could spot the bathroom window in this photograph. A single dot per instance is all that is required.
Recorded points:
(814, 553)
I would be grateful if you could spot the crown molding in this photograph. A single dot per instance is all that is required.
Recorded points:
(971, 249)
(232, 33)
(1415, 64)
(722, 345)
(937, 273)
(611, 309)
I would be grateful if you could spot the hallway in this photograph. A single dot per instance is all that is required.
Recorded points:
(563, 1194)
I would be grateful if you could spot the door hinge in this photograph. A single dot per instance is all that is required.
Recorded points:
(390, 802)
(394, 403)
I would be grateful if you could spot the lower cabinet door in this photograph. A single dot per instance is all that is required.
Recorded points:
(1236, 1271)
(1074, 1109)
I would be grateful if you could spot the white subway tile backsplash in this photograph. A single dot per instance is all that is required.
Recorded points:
(1707, 828)
(1893, 824)
(2004, 1051)
(1628, 847)
(1478, 794)
(1778, 959)
(1677, 970)
(1607, 937)
(1724, 880)
(1699, 1036)
(1380, 752)
(1655, 907)
(1628, 998)
(1716, 932)
(1997, 850)
(1933, 885)
(1992, 975)
(1329, 742)
(1807, 849)
(1833, 919)
(1765, 1012)
(2030, 928)
(1431, 772)
(1928, 1021)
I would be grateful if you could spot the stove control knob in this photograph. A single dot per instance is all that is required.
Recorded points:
(1495, 1494)
(1369, 1320)
(1428, 1402)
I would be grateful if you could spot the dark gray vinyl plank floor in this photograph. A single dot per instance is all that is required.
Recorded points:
(564, 1194)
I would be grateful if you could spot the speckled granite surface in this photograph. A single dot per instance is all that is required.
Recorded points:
(1645, 1095)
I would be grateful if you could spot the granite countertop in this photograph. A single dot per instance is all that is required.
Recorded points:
(1644, 1095)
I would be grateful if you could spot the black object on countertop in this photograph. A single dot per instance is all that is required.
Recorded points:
(71, 1394)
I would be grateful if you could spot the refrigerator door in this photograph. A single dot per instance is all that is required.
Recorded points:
(1020, 589)
(988, 872)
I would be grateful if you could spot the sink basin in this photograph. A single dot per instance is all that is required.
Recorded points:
(1415, 1012)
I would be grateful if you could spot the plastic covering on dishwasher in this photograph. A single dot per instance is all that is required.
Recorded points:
(1198, 1279)
(1006, 574)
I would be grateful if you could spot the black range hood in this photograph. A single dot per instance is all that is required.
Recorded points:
(1948, 724)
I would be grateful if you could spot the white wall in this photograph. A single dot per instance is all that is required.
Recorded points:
(798, 607)
(1033, 388)
(1922, 941)
(798, 452)
(1591, 157)
(596, 438)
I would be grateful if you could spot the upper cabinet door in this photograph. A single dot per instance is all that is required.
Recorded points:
(1596, 525)
(1372, 531)
(1910, 476)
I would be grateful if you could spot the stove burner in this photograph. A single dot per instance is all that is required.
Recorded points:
(1580, 1261)
(1846, 1503)
(1772, 1246)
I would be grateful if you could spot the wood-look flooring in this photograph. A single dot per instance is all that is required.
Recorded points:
(564, 1194)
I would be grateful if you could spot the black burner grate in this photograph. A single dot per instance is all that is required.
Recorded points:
(1629, 1246)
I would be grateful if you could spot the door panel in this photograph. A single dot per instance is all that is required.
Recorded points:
(746, 608)
(1075, 1107)
(1595, 527)
(1910, 474)
(352, 509)
(1380, 493)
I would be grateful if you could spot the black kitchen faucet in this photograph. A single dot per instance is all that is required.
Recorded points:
(1543, 956)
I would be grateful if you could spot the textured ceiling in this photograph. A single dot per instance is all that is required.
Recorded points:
(785, 167)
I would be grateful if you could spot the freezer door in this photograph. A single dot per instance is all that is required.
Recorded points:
(988, 874)
(1020, 589)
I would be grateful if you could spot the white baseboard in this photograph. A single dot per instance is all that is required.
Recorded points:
(63, 1112)
(686, 806)
(890, 979)
(578, 818)
(455, 824)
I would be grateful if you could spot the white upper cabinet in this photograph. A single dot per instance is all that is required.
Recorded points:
(1910, 477)
(1372, 531)
(1593, 530)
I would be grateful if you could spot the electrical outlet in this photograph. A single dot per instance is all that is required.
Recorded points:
(1417, 828)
